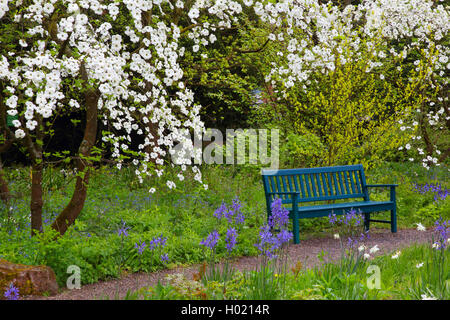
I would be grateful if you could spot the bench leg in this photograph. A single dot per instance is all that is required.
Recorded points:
(296, 230)
(394, 220)
(366, 221)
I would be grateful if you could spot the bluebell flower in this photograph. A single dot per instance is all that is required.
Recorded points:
(332, 218)
(220, 211)
(280, 215)
(164, 257)
(230, 239)
(442, 228)
(12, 293)
(268, 243)
(236, 204)
(160, 241)
(284, 236)
(140, 246)
(123, 230)
(440, 194)
(211, 240)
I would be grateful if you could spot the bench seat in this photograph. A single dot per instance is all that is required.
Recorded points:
(336, 208)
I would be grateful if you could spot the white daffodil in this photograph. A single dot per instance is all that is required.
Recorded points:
(419, 265)
(374, 249)
(420, 227)
(336, 236)
(396, 255)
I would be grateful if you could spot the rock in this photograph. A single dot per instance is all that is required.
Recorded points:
(30, 280)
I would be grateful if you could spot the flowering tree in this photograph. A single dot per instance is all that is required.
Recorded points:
(401, 43)
(118, 63)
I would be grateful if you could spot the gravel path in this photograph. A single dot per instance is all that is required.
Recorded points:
(306, 252)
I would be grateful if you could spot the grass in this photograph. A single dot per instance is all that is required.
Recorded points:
(183, 215)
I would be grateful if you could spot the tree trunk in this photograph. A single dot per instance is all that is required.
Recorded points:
(37, 167)
(36, 197)
(76, 204)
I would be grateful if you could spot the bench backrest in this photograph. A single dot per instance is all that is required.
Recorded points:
(316, 184)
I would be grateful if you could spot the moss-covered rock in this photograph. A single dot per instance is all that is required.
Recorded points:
(30, 280)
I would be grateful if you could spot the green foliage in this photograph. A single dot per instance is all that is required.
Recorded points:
(302, 150)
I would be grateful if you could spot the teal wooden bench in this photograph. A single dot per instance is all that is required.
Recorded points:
(299, 186)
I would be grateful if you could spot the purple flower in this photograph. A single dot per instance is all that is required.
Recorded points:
(140, 246)
(211, 240)
(152, 244)
(12, 293)
(164, 257)
(157, 242)
(236, 206)
(351, 243)
(440, 194)
(161, 241)
(123, 230)
(442, 228)
(220, 211)
(239, 217)
(229, 215)
(280, 215)
(230, 239)
(233, 215)
(284, 236)
(332, 218)
(352, 218)
(268, 243)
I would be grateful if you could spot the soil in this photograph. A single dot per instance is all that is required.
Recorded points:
(306, 252)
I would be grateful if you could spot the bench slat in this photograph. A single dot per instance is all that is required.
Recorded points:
(330, 184)
(358, 181)
(277, 180)
(344, 181)
(300, 179)
(272, 184)
(325, 198)
(336, 187)
(319, 186)
(350, 174)
(289, 178)
(313, 187)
